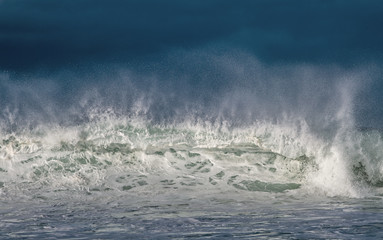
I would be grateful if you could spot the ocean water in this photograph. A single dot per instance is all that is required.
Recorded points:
(201, 146)
(122, 178)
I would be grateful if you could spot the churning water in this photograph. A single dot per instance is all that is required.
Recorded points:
(263, 153)
(116, 178)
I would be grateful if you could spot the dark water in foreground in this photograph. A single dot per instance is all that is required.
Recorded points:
(278, 218)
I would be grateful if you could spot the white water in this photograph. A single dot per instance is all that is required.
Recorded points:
(118, 155)
(279, 156)
(119, 178)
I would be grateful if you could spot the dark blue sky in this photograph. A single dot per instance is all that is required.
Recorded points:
(84, 38)
(51, 34)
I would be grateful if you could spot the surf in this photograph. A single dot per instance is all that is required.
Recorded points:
(125, 156)
(257, 129)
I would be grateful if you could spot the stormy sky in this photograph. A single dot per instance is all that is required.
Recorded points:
(49, 36)
(46, 33)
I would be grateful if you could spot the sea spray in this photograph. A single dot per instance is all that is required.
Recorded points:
(117, 155)
(262, 129)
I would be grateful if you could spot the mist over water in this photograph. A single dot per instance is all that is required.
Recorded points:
(233, 87)
(215, 93)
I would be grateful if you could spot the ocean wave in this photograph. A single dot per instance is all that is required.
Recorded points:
(122, 155)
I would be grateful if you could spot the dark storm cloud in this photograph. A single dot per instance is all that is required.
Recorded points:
(46, 33)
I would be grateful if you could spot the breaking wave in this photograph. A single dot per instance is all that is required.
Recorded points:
(232, 126)
(118, 155)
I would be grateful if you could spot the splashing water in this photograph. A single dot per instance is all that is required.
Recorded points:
(128, 161)
(121, 155)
